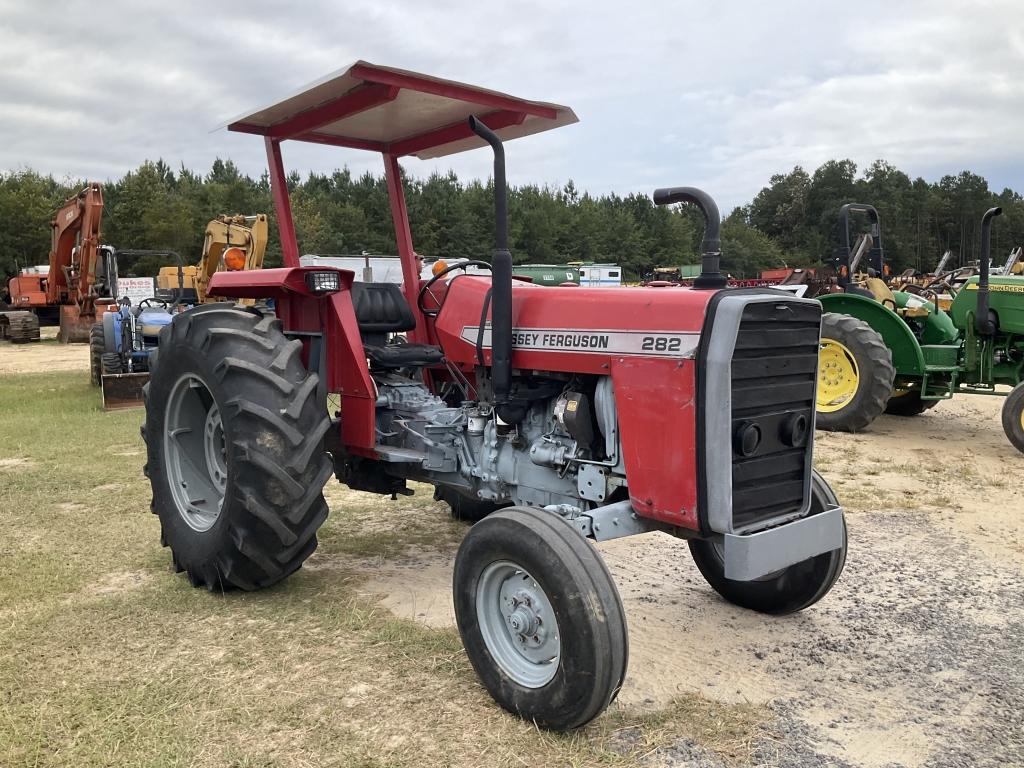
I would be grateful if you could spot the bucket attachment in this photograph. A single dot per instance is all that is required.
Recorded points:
(122, 390)
(74, 326)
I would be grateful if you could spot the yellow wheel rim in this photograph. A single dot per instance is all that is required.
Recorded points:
(838, 376)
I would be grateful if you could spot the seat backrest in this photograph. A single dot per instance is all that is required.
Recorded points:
(381, 308)
(881, 291)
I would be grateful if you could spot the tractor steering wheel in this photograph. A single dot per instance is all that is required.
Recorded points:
(154, 300)
(425, 290)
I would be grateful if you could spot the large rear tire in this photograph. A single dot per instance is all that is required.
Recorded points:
(908, 403)
(792, 589)
(855, 374)
(462, 507)
(234, 434)
(1013, 417)
(540, 617)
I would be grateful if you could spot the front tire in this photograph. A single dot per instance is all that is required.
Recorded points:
(793, 588)
(1013, 417)
(111, 364)
(234, 436)
(855, 374)
(540, 618)
(96, 350)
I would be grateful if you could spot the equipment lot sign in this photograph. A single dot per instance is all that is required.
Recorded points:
(135, 288)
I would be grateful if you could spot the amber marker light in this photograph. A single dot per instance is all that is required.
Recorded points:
(234, 259)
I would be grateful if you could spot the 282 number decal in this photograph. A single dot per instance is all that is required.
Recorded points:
(661, 344)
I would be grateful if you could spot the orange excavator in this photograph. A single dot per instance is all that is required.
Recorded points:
(80, 284)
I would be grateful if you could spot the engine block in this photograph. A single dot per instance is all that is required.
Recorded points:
(550, 459)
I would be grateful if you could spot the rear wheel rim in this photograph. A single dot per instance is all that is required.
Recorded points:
(838, 376)
(196, 453)
(518, 624)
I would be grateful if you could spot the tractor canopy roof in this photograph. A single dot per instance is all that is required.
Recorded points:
(397, 112)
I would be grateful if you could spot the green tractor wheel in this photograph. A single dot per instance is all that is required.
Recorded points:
(1013, 417)
(908, 402)
(855, 374)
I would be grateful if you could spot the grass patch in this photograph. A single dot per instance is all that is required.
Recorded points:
(108, 658)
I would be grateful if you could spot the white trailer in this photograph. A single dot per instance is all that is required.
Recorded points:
(600, 275)
(378, 269)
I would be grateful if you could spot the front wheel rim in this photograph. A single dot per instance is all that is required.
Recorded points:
(838, 376)
(518, 624)
(196, 453)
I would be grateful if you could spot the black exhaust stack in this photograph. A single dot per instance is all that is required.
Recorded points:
(501, 284)
(984, 322)
(711, 276)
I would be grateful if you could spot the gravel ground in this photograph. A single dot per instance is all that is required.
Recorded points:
(912, 660)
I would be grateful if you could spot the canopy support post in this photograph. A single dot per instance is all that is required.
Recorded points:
(279, 191)
(411, 262)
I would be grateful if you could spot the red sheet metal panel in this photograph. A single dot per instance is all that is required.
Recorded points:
(656, 401)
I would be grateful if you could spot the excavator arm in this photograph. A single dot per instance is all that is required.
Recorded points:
(75, 238)
(232, 243)
(74, 255)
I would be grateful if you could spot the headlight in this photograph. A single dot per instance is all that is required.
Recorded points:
(323, 282)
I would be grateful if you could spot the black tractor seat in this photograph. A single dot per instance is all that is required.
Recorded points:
(381, 310)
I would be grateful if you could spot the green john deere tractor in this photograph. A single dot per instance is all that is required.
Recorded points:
(900, 352)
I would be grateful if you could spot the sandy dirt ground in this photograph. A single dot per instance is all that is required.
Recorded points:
(912, 660)
(47, 355)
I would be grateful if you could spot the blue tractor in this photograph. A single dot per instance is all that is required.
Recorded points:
(120, 344)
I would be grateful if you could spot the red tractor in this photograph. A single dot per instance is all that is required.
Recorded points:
(549, 415)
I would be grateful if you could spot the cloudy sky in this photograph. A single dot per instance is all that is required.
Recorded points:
(715, 94)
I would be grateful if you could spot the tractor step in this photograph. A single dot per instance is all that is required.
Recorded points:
(122, 390)
(395, 455)
(940, 357)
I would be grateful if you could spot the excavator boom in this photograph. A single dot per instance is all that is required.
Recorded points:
(74, 253)
(232, 243)
(75, 233)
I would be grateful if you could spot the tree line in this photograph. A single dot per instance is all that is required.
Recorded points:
(790, 222)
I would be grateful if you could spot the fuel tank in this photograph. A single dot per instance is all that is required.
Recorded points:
(570, 329)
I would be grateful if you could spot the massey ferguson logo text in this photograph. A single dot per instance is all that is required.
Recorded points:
(640, 343)
(525, 339)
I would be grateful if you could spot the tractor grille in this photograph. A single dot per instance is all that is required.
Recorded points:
(774, 367)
